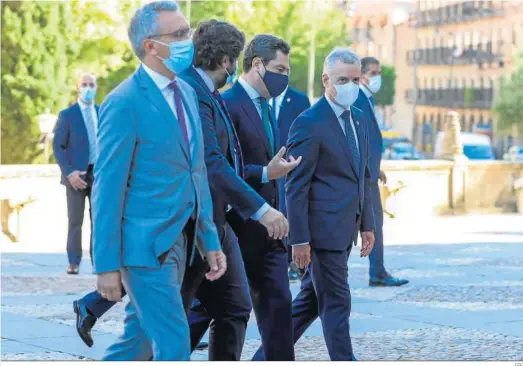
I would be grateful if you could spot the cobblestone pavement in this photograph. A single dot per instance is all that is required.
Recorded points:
(464, 302)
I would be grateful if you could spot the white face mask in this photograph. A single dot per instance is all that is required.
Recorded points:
(347, 94)
(374, 84)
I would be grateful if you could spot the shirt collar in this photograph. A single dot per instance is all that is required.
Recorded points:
(251, 92)
(338, 111)
(161, 81)
(206, 79)
(84, 105)
(365, 91)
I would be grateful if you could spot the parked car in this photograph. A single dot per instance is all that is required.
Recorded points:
(475, 146)
(514, 154)
(402, 151)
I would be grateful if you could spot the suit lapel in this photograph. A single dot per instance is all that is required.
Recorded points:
(191, 112)
(157, 99)
(356, 118)
(250, 109)
(338, 132)
(80, 121)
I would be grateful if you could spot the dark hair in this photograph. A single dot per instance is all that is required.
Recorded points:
(366, 62)
(214, 39)
(265, 47)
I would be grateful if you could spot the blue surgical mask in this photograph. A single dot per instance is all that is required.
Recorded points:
(87, 94)
(231, 77)
(181, 55)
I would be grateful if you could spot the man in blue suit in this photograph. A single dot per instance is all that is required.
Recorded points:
(370, 84)
(327, 202)
(74, 147)
(265, 75)
(152, 209)
(286, 108)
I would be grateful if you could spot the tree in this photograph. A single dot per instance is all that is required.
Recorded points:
(508, 106)
(385, 96)
(35, 50)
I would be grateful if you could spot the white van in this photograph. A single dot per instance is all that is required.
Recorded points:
(475, 146)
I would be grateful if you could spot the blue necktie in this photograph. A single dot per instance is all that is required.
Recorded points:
(91, 134)
(351, 139)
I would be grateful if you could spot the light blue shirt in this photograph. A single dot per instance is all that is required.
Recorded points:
(254, 95)
(163, 84)
(210, 85)
(89, 108)
(276, 103)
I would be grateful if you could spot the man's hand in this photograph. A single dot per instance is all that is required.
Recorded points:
(279, 167)
(218, 264)
(76, 181)
(109, 285)
(276, 224)
(383, 177)
(301, 255)
(367, 243)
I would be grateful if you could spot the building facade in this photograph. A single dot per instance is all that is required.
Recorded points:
(457, 52)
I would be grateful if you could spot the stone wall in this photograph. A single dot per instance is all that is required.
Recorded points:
(431, 187)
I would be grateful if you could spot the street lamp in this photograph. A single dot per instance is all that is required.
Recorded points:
(46, 123)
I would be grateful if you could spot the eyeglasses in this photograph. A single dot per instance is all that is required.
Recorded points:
(85, 85)
(179, 34)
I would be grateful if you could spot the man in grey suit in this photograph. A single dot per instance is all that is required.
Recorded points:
(151, 198)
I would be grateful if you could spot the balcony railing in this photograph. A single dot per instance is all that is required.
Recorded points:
(459, 13)
(476, 98)
(480, 54)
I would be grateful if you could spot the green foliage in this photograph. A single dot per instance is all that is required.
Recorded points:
(469, 96)
(509, 106)
(388, 81)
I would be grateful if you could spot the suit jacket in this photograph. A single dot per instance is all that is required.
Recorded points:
(147, 183)
(375, 138)
(293, 104)
(71, 142)
(256, 154)
(325, 192)
(226, 186)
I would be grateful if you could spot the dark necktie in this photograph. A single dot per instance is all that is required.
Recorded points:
(179, 111)
(372, 103)
(267, 122)
(237, 155)
(351, 139)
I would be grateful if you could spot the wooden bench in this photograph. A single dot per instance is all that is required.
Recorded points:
(7, 208)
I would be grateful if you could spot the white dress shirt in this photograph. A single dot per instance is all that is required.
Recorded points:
(277, 102)
(210, 85)
(254, 95)
(85, 108)
(163, 84)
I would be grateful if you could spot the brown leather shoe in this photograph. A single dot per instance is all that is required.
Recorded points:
(73, 269)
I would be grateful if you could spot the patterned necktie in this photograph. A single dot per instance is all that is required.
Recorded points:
(351, 139)
(91, 133)
(267, 122)
(179, 111)
(238, 155)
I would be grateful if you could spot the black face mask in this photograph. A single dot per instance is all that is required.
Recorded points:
(274, 82)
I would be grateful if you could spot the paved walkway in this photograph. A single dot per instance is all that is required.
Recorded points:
(464, 302)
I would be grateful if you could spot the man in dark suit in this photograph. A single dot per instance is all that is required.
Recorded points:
(226, 301)
(265, 75)
(327, 202)
(286, 108)
(370, 84)
(74, 146)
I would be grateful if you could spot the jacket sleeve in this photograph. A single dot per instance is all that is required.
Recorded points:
(61, 143)
(116, 144)
(367, 218)
(222, 176)
(304, 142)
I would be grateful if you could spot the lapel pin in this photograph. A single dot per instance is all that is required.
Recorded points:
(288, 100)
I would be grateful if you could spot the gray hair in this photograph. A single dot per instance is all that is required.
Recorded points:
(344, 54)
(144, 23)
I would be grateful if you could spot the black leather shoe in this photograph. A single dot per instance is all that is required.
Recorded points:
(388, 281)
(84, 322)
(202, 345)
